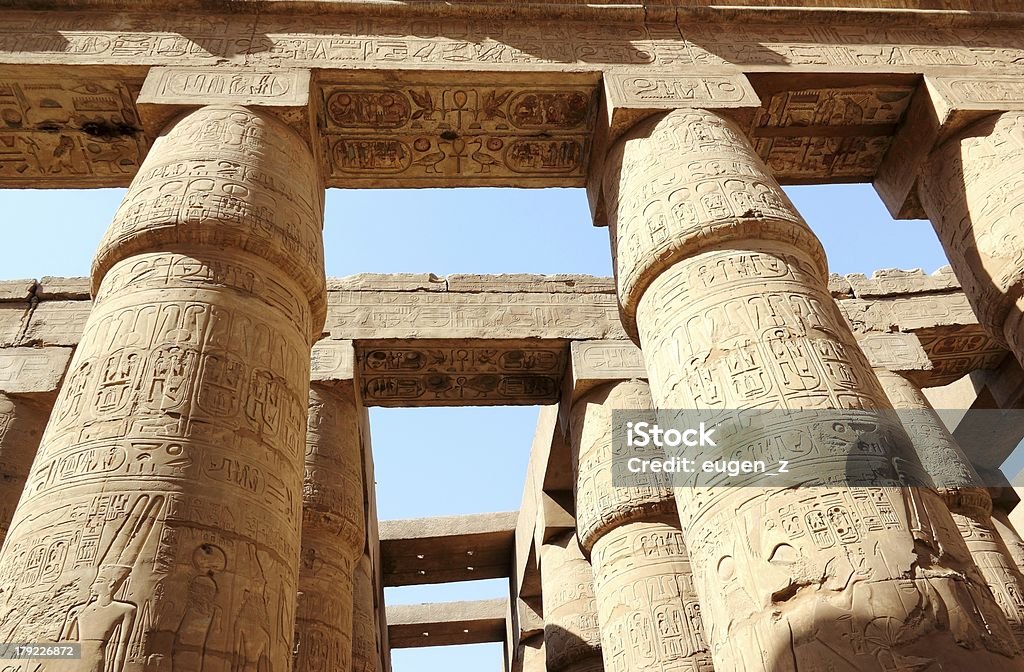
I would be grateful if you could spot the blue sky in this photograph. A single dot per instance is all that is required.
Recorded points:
(462, 460)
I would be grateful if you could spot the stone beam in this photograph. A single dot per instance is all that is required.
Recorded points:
(446, 623)
(447, 549)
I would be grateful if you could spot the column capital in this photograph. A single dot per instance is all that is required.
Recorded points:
(628, 98)
(942, 106)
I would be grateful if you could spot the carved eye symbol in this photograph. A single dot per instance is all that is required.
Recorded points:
(783, 554)
(726, 568)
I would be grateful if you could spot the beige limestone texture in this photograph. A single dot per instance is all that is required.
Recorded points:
(726, 288)
(366, 653)
(962, 489)
(333, 529)
(646, 604)
(167, 494)
(969, 187)
(572, 636)
(22, 421)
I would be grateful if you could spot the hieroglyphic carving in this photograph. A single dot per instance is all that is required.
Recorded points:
(978, 93)
(86, 131)
(161, 517)
(963, 491)
(188, 86)
(972, 191)
(333, 529)
(332, 360)
(647, 607)
(366, 654)
(425, 132)
(32, 370)
(460, 373)
(22, 421)
(572, 636)
(732, 311)
(955, 351)
(829, 133)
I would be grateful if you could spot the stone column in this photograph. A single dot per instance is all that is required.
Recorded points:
(160, 524)
(964, 493)
(366, 654)
(22, 421)
(572, 638)
(646, 604)
(1014, 544)
(970, 188)
(725, 289)
(333, 529)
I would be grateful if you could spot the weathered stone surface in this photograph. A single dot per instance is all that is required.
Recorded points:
(888, 282)
(22, 421)
(12, 321)
(446, 623)
(631, 531)
(895, 352)
(332, 360)
(444, 549)
(16, 290)
(51, 287)
(697, 278)
(451, 373)
(388, 282)
(366, 648)
(970, 189)
(961, 488)
(168, 488)
(32, 370)
(267, 87)
(333, 529)
(56, 323)
(572, 637)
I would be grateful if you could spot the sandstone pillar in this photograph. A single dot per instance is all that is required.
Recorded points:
(366, 654)
(964, 493)
(160, 524)
(22, 421)
(725, 288)
(1010, 537)
(646, 604)
(572, 638)
(970, 188)
(333, 529)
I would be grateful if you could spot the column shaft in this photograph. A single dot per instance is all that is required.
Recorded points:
(1014, 544)
(964, 493)
(333, 529)
(971, 189)
(572, 638)
(160, 524)
(725, 287)
(646, 604)
(366, 653)
(22, 421)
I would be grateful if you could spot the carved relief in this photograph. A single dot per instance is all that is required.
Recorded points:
(828, 134)
(366, 654)
(83, 131)
(572, 638)
(185, 86)
(423, 132)
(421, 375)
(22, 421)
(772, 566)
(161, 517)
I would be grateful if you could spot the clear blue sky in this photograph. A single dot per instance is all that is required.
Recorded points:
(462, 460)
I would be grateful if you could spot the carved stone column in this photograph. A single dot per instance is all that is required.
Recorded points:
(725, 288)
(160, 523)
(646, 604)
(22, 421)
(366, 654)
(1014, 544)
(964, 493)
(572, 638)
(970, 188)
(333, 529)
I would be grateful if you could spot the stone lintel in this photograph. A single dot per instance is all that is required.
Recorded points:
(171, 90)
(447, 549)
(16, 290)
(446, 623)
(593, 363)
(332, 360)
(631, 96)
(942, 105)
(33, 370)
(61, 288)
(897, 352)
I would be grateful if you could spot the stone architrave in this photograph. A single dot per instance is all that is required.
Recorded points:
(724, 287)
(333, 529)
(365, 642)
(646, 604)
(962, 489)
(166, 499)
(572, 638)
(971, 190)
(22, 421)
